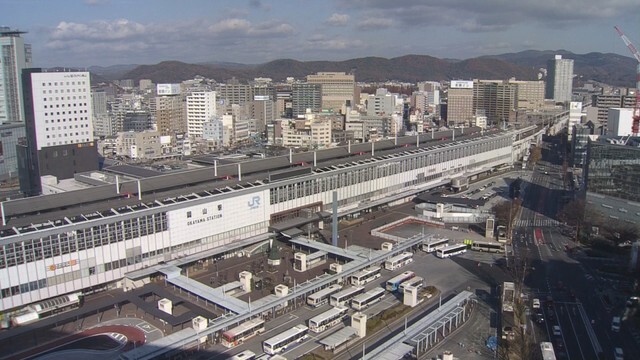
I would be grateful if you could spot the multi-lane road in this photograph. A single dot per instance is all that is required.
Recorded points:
(575, 318)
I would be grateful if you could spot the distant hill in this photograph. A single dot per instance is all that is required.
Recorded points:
(112, 72)
(612, 69)
(608, 68)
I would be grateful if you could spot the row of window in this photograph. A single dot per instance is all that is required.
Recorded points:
(62, 91)
(65, 127)
(62, 105)
(55, 83)
(328, 183)
(58, 98)
(213, 241)
(77, 240)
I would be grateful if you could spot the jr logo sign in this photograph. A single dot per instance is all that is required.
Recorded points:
(254, 203)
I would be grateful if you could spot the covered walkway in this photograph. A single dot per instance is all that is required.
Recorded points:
(422, 334)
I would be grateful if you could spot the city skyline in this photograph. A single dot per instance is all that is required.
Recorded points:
(110, 32)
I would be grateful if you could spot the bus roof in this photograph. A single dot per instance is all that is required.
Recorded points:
(328, 314)
(294, 330)
(326, 291)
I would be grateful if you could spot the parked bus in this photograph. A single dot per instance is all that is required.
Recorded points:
(451, 250)
(365, 276)
(547, 351)
(327, 319)
(245, 355)
(398, 261)
(242, 332)
(487, 246)
(363, 301)
(282, 341)
(392, 284)
(321, 297)
(416, 281)
(345, 296)
(434, 244)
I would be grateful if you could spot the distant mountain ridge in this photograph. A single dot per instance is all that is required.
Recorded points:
(607, 68)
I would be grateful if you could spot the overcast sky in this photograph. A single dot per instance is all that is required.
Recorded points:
(109, 32)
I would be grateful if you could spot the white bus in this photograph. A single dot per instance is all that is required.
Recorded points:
(363, 301)
(416, 281)
(394, 283)
(487, 246)
(547, 351)
(398, 261)
(245, 355)
(242, 332)
(282, 341)
(321, 297)
(365, 276)
(434, 244)
(451, 250)
(345, 296)
(327, 319)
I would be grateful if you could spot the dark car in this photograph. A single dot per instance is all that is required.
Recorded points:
(539, 317)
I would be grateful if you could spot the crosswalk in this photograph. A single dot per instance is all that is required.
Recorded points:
(537, 222)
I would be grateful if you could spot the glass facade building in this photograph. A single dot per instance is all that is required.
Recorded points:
(613, 170)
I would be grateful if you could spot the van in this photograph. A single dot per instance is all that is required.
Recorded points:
(615, 324)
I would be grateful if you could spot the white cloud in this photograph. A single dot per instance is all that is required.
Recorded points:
(492, 15)
(338, 19)
(243, 27)
(234, 25)
(374, 24)
(323, 43)
(98, 30)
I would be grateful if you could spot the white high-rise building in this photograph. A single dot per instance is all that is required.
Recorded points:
(201, 107)
(59, 128)
(62, 108)
(15, 55)
(619, 122)
(559, 84)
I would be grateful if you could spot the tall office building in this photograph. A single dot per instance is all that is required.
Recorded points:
(233, 92)
(382, 103)
(460, 102)
(530, 94)
(305, 96)
(15, 55)
(559, 84)
(171, 116)
(59, 127)
(495, 99)
(338, 88)
(201, 107)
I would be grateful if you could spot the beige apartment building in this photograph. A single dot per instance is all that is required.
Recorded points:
(171, 114)
(460, 102)
(139, 145)
(337, 89)
(308, 133)
(530, 94)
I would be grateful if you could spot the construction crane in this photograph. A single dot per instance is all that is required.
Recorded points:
(635, 126)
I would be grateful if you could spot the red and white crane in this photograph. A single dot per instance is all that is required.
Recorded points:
(635, 126)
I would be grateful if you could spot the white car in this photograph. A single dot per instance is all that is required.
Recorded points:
(536, 303)
(618, 354)
(557, 331)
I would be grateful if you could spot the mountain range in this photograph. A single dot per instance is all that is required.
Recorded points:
(607, 68)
